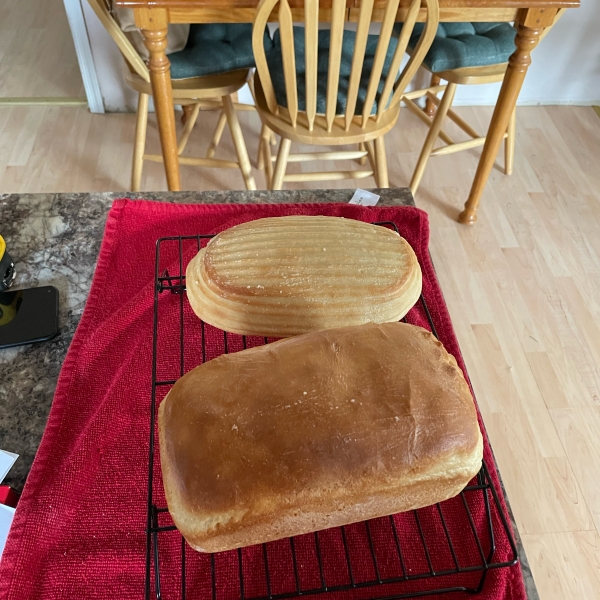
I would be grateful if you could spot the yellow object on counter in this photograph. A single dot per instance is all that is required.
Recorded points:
(7, 267)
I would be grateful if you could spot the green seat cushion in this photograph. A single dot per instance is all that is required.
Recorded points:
(215, 48)
(458, 45)
(275, 61)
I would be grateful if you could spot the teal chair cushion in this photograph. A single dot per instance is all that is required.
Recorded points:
(275, 61)
(215, 48)
(458, 45)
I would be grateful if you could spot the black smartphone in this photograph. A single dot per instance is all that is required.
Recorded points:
(28, 316)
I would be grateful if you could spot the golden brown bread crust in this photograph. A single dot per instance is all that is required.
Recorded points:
(284, 276)
(315, 431)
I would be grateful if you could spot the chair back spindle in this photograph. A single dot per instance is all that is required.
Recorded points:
(311, 44)
(383, 43)
(362, 34)
(402, 45)
(338, 13)
(130, 54)
(286, 24)
(382, 87)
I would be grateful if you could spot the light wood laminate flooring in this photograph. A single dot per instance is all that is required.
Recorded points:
(37, 55)
(522, 286)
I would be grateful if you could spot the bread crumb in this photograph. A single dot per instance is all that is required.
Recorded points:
(352, 400)
(305, 393)
(234, 427)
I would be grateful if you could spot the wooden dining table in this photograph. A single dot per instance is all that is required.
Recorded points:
(531, 17)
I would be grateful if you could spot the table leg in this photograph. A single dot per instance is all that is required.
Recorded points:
(530, 25)
(154, 25)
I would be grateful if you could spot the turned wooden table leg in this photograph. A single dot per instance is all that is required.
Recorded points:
(154, 25)
(530, 25)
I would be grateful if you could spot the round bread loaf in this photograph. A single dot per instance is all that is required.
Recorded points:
(286, 276)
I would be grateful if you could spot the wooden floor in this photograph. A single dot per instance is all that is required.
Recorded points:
(522, 285)
(37, 55)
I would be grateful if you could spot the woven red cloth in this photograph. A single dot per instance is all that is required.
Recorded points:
(79, 530)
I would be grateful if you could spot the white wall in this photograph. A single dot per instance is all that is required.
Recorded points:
(117, 96)
(565, 67)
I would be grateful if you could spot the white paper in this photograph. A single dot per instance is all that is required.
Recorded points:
(364, 198)
(7, 460)
(6, 518)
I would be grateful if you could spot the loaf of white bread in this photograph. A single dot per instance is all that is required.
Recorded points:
(315, 431)
(284, 276)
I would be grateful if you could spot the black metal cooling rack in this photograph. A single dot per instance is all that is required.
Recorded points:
(405, 582)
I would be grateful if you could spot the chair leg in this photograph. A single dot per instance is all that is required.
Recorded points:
(187, 128)
(509, 144)
(381, 163)
(430, 106)
(187, 111)
(212, 148)
(239, 143)
(265, 154)
(280, 165)
(370, 148)
(139, 146)
(260, 159)
(363, 160)
(432, 136)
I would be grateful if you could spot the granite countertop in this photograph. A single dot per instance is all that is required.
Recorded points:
(54, 239)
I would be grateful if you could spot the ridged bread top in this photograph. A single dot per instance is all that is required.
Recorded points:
(289, 275)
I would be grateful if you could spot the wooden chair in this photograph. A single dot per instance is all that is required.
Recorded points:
(437, 109)
(206, 92)
(343, 102)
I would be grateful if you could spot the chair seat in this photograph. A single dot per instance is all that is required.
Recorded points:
(196, 88)
(281, 124)
(275, 61)
(459, 45)
(215, 48)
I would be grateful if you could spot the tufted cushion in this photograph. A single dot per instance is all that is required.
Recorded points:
(458, 45)
(276, 68)
(215, 48)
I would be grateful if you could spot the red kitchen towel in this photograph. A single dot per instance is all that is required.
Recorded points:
(79, 529)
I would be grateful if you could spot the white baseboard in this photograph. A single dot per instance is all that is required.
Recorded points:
(83, 50)
(472, 102)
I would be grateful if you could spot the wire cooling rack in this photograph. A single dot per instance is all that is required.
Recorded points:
(449, 547)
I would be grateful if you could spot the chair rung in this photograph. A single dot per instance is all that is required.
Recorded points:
(436, 89)
(458, 146)
(198, 162)
(463, 124)
(341, 155)
(208, 162)
(419, 112)
(212, 104)
(332, 175)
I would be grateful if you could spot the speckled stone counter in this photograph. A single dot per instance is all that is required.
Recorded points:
(54, 239)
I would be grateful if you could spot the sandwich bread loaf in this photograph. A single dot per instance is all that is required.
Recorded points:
(315, 431)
